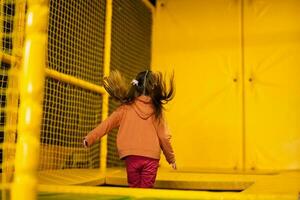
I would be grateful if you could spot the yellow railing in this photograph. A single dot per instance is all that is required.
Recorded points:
(107, 49)
(32, 80)
(4, 57)
(74, 81)
(29, 82)
(12, 32)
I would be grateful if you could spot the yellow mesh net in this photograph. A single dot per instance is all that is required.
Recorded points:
(69, 113)
(130, 52)
(76, 38)
(12, 19)
(75, 48)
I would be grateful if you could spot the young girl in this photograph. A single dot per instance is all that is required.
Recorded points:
(143, 130)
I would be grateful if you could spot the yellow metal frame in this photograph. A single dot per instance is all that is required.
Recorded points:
(32, 79)
(106, 67)
(106, 70)
(10, 126)
(12, 94)
(74, 81)
(32, 76)
(7, 58)
(152, 9)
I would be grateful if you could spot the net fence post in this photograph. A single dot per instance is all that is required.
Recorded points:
(106, 69)
(32, 79)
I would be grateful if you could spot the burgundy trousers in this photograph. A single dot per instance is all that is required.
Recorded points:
(141, 171)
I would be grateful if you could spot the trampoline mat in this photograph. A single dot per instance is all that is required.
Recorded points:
(62, 196)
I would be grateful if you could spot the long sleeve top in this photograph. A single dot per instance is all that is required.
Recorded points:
(140, 133)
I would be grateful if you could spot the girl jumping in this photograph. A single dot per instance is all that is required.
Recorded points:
(143, 130)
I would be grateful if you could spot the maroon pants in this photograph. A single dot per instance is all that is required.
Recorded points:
(141, 171)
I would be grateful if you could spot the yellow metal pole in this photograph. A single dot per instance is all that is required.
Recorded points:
(153, 36)
(3, 176)
(19, 29)
(32, 76)
(106, 67)
(74, 81)
(6, 58)
(2, 19)
(12, 93)
(10, 129)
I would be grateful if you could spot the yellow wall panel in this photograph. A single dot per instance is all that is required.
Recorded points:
(200, 41)
(253, 123)
(272, 46)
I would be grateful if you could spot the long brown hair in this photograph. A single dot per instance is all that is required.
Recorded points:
(147, 83)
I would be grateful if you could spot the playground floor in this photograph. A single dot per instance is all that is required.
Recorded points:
(170, 184)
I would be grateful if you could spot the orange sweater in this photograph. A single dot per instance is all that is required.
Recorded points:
(139, 132)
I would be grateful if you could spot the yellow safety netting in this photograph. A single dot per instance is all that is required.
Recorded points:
(76, 38)
(75, 48)
(12, 18)
(75, 51)
(73, 97)
(69, 113)
(130, 52)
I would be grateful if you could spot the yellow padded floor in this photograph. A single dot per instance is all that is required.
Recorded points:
(180, 184)
(71, 177)
(89, 192)
(281, 183)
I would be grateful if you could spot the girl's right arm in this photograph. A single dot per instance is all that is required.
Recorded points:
(111, 122)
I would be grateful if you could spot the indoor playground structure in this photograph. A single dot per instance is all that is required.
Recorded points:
(235, 118)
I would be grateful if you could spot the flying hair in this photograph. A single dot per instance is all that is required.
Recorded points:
(147, 83)
(116, 86)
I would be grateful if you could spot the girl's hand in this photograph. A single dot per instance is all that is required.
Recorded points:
(174, 165)
(85, 143)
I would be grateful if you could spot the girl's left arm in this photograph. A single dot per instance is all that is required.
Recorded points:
(165, 142)
(109, 123)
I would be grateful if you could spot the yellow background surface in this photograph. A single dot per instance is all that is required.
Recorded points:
(237, 70)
